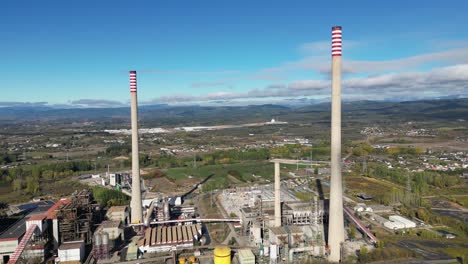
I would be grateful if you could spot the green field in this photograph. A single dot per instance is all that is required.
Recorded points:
(461, 200)
(371, 186)
(457, 190)
(262, 169)
(225, 175)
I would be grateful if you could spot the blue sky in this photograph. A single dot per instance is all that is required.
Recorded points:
(234, 52)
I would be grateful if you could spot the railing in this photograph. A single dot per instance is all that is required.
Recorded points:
(20, 248)
(360, 225)
(198, 220)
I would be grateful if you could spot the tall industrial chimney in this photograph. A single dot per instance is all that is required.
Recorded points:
(137, 215)
(335, 217)
(277, 222)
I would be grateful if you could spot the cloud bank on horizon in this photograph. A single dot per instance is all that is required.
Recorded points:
(396, 79)
(363, 80)
(65, 54)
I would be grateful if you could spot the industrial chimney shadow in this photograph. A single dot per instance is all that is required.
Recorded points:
(319, 189)
(189, 193)
(326, 206)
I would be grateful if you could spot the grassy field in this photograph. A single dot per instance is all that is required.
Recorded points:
(375, 187)
(225, 175)
(457, 190)
(462, 200)
(262, 169)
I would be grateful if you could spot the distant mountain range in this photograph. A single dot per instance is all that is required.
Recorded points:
(196, 115)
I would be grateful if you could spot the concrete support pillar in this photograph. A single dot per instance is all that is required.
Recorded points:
(277, 195)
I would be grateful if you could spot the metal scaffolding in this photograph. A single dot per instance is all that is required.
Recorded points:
(77, 217)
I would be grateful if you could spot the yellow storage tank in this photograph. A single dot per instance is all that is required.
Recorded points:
(191, 259)
(181, 260)
(222, 255)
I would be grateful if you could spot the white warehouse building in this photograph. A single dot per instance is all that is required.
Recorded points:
(399, 222)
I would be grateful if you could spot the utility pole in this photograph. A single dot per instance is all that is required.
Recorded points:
(408, 183)
(211, 196)
(364, 166)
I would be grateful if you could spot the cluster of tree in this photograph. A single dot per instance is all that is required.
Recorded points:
(168, 161)
(362, 150)
(400, 196)
(27, 178)
(237, 155)
(30, 185)
(223, 156)
(6, 158)
(108, 197)
(73, 166)
(404, 151)
(382, 252)
(427, 216)
(395, 175)
(118, 150)
(420, 182)
(297, 151)
(352, 232)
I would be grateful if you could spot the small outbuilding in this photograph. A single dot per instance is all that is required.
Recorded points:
(71, 252)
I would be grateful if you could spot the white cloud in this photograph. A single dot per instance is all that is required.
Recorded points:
(189, 72)
(23, 104)
(451, 80)
(321, 63)
(454, 56)
(96, 103)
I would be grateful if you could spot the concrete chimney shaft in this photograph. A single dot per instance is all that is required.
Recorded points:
(336, 221)
(136, 204)
(277, 195)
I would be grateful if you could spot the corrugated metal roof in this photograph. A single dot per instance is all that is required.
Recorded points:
(71, 245)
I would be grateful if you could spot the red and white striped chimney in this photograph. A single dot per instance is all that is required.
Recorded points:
(136, 203)
(133, 82)
(336, 41)
(336, 221)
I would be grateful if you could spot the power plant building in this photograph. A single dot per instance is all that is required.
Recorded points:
(119, 213)
(71, 252)
(166, 238)
(245, 256)
(113, 228)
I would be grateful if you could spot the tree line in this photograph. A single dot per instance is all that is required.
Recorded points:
(163, 161)
(27, 178)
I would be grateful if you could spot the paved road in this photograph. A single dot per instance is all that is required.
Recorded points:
(450, 209)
